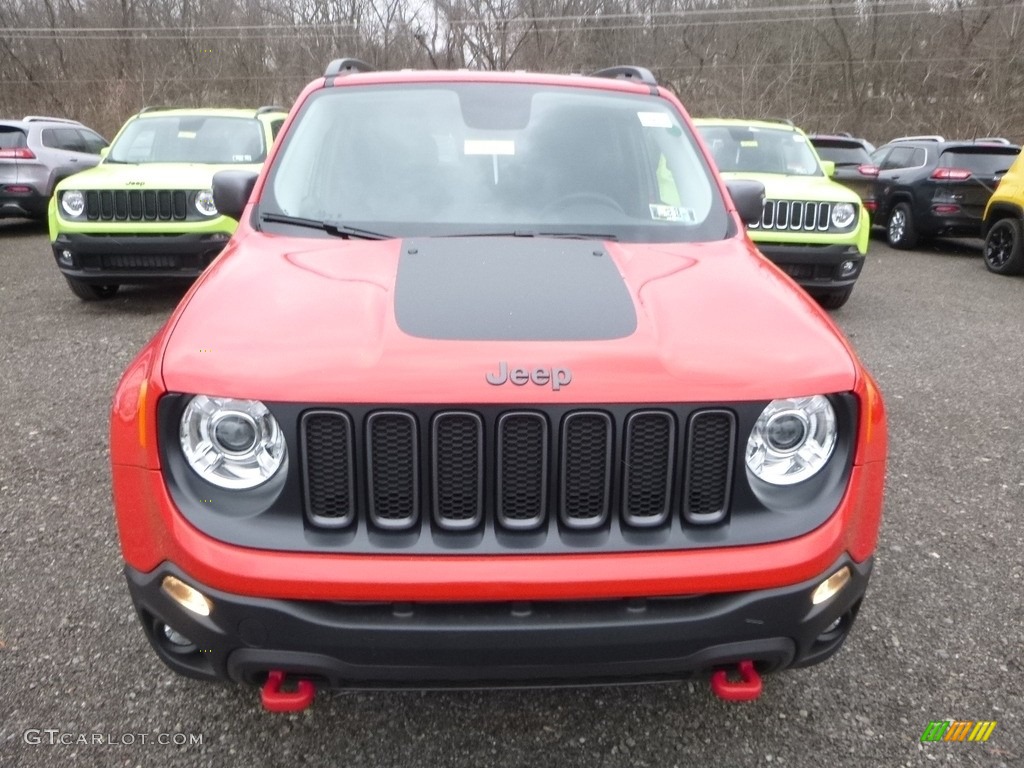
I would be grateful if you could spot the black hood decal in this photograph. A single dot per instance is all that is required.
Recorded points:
(511, 289)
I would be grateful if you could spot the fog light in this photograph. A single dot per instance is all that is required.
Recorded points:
(831, 586)
(66, 259)
(175, 637)
(833, 626)
(186, 596)
(847, 268)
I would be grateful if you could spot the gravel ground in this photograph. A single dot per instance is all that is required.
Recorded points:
(939, 637)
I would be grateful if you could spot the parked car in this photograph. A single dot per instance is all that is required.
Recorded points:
(490, 387)
(35, 154)
(814, 229)
(146, 213)
(1003, 227)
(930, 187)
(851, 157)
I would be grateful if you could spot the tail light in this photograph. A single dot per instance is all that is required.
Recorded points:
(19, 153)
(951, 174)
(867, 170)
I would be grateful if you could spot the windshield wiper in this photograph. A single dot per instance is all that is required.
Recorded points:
(536, 233)
(332, 228)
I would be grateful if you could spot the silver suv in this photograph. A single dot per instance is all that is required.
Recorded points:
(36, 153)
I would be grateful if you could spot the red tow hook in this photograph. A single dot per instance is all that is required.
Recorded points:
(748, 689)
(276, 700)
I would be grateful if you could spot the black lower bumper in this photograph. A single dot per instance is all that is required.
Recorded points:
(430, 645)
(814, 267)
(29, 205)
(107, 259)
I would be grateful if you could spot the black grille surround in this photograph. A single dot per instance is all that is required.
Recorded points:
(797, 216)
(143, 205)
(503, 479)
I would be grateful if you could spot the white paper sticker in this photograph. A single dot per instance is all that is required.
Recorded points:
(489, 147)
(672, 213)
(654, 119)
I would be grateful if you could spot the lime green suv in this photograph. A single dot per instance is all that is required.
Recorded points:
(1003, 226)
(146, 212)
(813, 228)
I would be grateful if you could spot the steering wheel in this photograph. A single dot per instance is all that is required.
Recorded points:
(583, 198)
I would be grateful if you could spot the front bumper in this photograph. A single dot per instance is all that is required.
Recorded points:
(30, 204)
(136, 258)
(497, 644)
(816, 267)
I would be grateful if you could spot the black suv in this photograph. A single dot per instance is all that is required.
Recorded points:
(928, 186)
(854, 167)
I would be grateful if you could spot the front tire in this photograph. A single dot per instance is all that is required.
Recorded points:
(1004, 247)
(90, 291)
(900, 231)
(834, 299)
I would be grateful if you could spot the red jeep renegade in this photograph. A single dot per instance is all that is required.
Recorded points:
(490, 388)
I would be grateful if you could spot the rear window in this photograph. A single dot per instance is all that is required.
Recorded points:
(986, 161)
(12, 138)
(842, 154)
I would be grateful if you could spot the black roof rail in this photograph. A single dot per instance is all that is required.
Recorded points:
(270, 108)
(44, 118)
(628, 72)
(154, 109)
(346, 67)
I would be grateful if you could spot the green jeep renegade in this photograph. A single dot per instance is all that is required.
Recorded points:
(146, 212)
(813, 228)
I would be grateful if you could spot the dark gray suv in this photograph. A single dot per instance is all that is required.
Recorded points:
(36, 153)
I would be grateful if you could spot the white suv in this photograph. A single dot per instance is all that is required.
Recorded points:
(36, 153)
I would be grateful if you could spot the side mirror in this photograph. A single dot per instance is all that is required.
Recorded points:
(104, 152)
(828, 167)
(231, 191)
(748, 197)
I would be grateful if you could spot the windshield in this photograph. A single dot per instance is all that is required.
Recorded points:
(843, 154)
(190, 139)
(749, 149)
(485, 158)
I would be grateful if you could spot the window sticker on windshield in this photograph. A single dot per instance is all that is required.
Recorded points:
(748, 143)
(798, 138)
(654, 119)
(186, 134)
(672, 213)
(241, 158)
(489, 147)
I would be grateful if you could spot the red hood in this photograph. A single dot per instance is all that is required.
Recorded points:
(306, 320)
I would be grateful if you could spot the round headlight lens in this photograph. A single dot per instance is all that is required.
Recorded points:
(231, 443)
(792, 440)
(843, 215)
(72, 203)
(204, 203)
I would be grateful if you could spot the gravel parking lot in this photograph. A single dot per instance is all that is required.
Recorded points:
(940, 635)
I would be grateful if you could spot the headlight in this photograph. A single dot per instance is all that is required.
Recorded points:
(792, 440)
(204, 203)
(72, 203)
(231, 443)
(843, 215)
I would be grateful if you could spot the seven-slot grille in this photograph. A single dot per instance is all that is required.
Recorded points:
(794, 216)
(136, 205)
(583, 468)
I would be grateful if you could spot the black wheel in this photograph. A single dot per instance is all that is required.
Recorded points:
(834, 299)
(90, 291)
(900, 231)
(1004, 247)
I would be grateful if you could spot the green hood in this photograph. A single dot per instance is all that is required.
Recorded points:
(109, 175)
(781, 187)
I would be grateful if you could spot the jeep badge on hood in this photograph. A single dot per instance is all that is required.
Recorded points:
(556, 377)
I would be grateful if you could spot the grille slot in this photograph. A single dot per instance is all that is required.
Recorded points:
(328, 468)
(522, 471)
(393, 469)
(586, 469)
(794, 215)
(457, 458)
(647, 468)
(710, 451)
(140, 261)
(136, 205)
